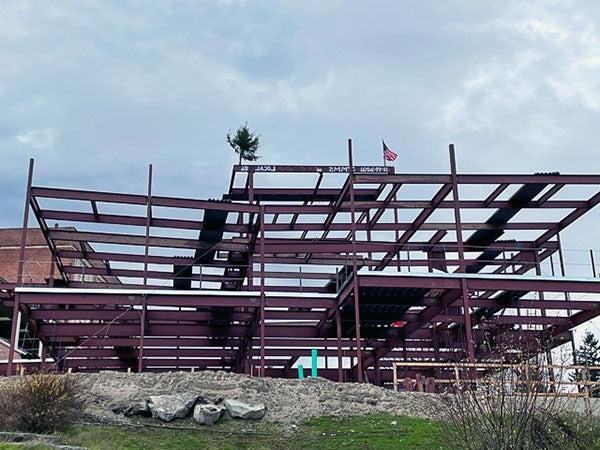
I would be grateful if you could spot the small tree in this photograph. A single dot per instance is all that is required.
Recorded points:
(588, 354)
(245, 143)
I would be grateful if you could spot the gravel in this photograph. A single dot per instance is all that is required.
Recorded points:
(287, 401)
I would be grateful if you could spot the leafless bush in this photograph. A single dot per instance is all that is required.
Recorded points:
(513, 408)
(39, 403)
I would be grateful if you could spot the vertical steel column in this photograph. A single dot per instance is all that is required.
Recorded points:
(52, 269)
(251, 187)
(547, 351)
(369, 236)
(377, 375)
(538, 272)
(461, 257)
(397, 233)
(338, 329)
(563, 272)
(561, 259)
(573, 347)
(251, 257)
(148, 223)
(142, 335)
(593, 263)
(52, 263)
(262, 291)
(359, 367)
(250, 272)
(15, 326)
(436, 343)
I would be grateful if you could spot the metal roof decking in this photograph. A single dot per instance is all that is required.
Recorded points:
(500, 218)
(211, 233)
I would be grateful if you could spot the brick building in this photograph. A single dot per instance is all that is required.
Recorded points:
(5, 349)
(37, 256)
(37, 269)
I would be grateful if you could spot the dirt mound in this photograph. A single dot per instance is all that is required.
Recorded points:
(287, 401)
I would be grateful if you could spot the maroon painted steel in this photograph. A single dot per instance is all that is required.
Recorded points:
(14, 334)
(262, 292)
(461, 258)
(336, 266)
(148, 224)
(359, 366)
(143, 318)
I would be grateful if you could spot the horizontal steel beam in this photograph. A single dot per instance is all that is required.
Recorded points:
(362, 206)
(153, 352)
(481, 282)
(483, 179)
(537, 304)
(390, 226)
(169, 316)
(260, 168)
(139, 240)
(194, 299)
(133, 199)
(115, 219)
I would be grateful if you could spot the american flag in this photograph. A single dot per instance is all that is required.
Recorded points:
(388, 155)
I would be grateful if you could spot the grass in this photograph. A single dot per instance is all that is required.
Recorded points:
(379, 431)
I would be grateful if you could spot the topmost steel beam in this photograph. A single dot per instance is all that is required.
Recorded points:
(382, 174)
(333, 169)
(258, 168)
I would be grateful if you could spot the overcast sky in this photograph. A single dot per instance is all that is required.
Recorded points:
(95, 90)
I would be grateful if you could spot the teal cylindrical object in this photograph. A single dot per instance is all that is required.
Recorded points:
(300, 372)
(313, 366)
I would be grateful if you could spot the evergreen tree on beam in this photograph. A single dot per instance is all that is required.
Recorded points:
(245, 143)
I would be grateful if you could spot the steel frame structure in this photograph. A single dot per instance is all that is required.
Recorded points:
(252, 282)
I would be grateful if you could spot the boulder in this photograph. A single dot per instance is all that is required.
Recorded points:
(138, 409)
(237, 409)
(174, 406)
(208, 414)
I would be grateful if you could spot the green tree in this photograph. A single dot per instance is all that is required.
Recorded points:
(245, 143)
(588, 354)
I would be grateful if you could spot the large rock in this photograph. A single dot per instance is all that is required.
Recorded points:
(134, 409)
(138, 409)
(169, 407)
(237, 409)
(208, 414)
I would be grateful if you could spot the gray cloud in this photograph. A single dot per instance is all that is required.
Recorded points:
(94, 91)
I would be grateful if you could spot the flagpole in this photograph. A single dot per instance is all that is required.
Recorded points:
(383, 155)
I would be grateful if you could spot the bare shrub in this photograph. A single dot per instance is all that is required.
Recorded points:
(512, 409)
(39, 403)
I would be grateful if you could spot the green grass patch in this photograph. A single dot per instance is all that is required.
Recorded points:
(379, 431)
(376, 431)
(185, 436)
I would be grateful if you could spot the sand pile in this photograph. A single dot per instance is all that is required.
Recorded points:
(287, 401)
